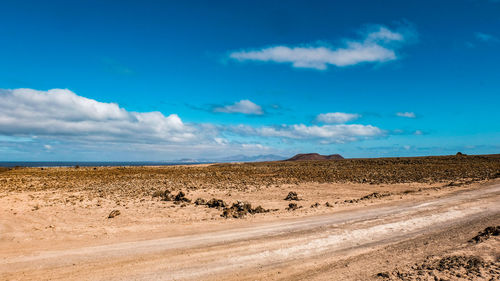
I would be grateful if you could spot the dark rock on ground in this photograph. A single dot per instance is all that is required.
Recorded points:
(241, 209)
(293, 206)
(292, 195)
(383, 274)
(165, 195)
(374, 195)
(216, 203)
(113, 214)
(200, 201)
(448, 268)
(486, 234)
(181, 197)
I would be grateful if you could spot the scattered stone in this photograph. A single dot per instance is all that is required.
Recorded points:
(315, 205)
(448, 268)
(292, 195)
(200, 201)
(486, 234)
(165, 195)
(181, 197)
(241, 209)
(293, 207)
(383, 274)
(216, 203)
(259, 209)
(374, 195)
(327, 204)
(113, 214)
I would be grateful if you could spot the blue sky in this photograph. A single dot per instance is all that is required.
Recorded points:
(161, 80)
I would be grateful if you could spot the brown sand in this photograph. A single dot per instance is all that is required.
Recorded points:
(50, 216)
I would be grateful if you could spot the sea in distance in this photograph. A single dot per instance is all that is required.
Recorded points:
(90, 164)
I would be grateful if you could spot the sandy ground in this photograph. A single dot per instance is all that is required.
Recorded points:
(67, 235)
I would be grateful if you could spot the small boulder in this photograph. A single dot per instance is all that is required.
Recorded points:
(113, 214)
(181, 197)
(293, 207)
(216, 203)
(241, 209)
(200, 201)
(292, 195)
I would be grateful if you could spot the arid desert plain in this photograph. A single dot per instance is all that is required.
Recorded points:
(424, 218)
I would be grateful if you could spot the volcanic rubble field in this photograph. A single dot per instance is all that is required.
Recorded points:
(136, 182)
(457, 266)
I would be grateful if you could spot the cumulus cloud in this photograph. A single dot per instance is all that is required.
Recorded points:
(326, 134)
(406, 114)
(378, 45)
(243, 106)
(60, 112)
(64, 125)
(336, 117)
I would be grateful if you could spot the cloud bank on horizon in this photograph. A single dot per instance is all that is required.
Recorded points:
(61, 116)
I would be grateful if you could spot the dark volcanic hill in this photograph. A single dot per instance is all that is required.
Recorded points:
(315, 156)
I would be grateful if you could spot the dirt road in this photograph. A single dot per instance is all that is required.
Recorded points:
(271, 250)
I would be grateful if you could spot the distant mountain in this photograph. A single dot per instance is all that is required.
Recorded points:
(315, 156)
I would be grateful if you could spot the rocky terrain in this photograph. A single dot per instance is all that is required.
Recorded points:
(135, 182)
(333, 206)
(465, 261)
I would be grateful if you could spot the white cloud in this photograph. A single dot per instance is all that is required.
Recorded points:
(486, 37)
(377, 46)
(336, 117)
(243, 106)
(32, 121)
(326, 134)
(60, 112)
(406, 114)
